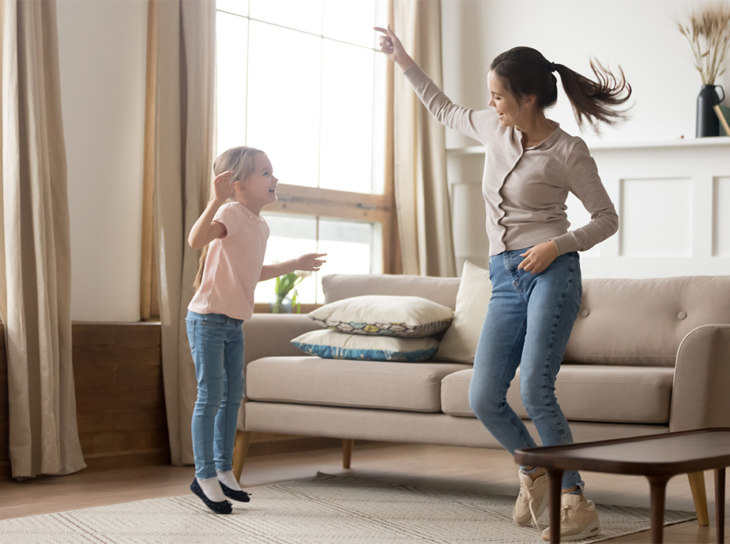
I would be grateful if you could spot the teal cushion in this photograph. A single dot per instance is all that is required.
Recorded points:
(330, 344)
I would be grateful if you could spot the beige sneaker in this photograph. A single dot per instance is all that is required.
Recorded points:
(533, 499)
(578, 519)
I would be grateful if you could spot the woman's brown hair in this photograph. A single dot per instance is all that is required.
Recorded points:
(240, 161)
(526, 71)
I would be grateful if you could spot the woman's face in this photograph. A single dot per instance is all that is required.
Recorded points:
(502, 100)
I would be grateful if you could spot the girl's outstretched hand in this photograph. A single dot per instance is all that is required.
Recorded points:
(222, 186)
(311, 262)
(539, 257)
(391, 46)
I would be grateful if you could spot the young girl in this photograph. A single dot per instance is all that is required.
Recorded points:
(530, 167)
(236, 234)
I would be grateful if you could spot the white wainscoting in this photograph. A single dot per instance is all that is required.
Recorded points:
(673, 200)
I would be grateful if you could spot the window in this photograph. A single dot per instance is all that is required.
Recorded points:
(302, 80)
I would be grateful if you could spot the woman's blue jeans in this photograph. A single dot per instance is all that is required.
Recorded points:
(216, 342)
(528, 323)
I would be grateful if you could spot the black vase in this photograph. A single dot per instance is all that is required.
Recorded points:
(707, 122)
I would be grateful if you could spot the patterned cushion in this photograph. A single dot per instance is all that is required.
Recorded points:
(404, 317)
(330, 344)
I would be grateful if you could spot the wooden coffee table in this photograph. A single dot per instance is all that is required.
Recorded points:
(658, 457)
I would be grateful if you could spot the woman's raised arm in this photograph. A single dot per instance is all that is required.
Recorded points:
(479, 125)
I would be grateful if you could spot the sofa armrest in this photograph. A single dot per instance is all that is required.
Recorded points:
(701, 392)
(268, 335)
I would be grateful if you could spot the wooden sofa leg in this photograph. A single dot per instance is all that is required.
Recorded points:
(240, 450)
(697, 484)
(347, 452)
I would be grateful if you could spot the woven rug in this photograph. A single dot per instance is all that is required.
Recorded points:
(324, 509)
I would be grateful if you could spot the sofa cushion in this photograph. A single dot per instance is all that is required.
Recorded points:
(460, 341)
(598, 393)
(336, 345)
(412, 387)
(642, 322)
(339, 286)
(379, 315)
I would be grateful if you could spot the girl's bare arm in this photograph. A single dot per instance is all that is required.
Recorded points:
(205, 230)
(311, 262)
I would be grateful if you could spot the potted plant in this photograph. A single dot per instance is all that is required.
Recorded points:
(285, 284)
(708, 33)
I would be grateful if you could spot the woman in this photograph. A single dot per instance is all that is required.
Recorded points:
(531, 165)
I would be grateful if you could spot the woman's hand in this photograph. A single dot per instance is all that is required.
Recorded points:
(391, 46)
(311, 262)
(222, 186)
(539, 257)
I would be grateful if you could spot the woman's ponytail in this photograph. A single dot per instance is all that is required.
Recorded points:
(525, 71)
(238, 160)
(595, 101)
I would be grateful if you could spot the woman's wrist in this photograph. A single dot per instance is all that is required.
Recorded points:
(405, 62)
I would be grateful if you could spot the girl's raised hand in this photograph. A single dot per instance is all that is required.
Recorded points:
(222, 186)
(391, 46)
(311, 262)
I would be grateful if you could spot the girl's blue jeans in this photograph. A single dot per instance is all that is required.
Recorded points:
(528, 323)
(216, 342)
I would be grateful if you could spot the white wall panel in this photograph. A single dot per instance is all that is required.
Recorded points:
(656, 217)
(721, 217)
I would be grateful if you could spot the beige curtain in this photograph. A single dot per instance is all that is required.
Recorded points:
(149, 302)
(421, 189)
(35, 282)
(179, 146)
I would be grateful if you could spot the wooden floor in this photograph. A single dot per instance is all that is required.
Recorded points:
(493, 471)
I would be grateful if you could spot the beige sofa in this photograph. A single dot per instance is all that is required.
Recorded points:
(645, 357)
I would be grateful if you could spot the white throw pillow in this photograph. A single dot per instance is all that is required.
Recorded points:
(336, 345)
(460, 342)
(405, 317)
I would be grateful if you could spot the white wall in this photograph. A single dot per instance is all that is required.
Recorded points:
(640, 35)
(102, 45)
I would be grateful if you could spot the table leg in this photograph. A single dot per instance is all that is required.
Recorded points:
(556, 489)
(658, 497)
(720, 504)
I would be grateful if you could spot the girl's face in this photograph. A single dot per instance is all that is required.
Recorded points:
(502, 100)
(258, 189)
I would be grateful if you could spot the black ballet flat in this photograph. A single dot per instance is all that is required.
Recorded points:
(240, 496)
(221, 507)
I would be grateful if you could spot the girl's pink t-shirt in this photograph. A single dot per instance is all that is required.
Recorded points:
(233, 265)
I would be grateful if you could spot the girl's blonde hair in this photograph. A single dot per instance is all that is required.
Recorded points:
(240, 161)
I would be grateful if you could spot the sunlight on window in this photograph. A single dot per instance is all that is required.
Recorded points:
(300, 14)
(347, 118)
(283, 101)
(291, 236)
(288, 85)
(350, 21)
(240, 7)
(231, 73)
(352, 247)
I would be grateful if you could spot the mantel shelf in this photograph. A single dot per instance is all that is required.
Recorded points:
(720, 141)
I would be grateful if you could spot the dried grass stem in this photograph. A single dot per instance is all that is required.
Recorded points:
(708, 33)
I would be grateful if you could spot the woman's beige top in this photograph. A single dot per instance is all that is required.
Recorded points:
(525, 188)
